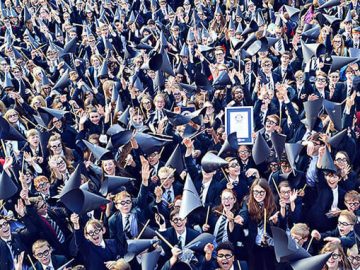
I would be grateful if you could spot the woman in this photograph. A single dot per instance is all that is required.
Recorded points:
(218, 23)
(56, 147)
(60, 170)
(338, 46)
(259, 243)
(337, 260)
(146, 106)
(349, 179)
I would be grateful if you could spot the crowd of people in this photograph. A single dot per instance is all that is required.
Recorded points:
(115, 149)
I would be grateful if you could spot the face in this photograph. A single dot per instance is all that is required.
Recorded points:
(147, 104)
(238, 95)
(266, 67)
(43, 254)
(285, 59)
(34, 140)
(219, 55)
(61, 165)
(43, 187)
(5, 231)
(109, 167)
(332, 180)
(334, 78)
(159, 103)
(298, 239)
(333, 261)
(228, 200)
(13, 117)
(153, 158)
(166, 180)
(94, 118)
(56, 147)
(234, 168)
(285, 194)
(352, 204)
(248, 67)
(285, 167)
(178, 223)
(244, 153)
(225, 259)
(124, 205)
(337, 42)
(57, 123)
(341, 160)
(94, 234)
(259, 194)
(354, 259)
(270, 124)
(344, 225)
(41, 208)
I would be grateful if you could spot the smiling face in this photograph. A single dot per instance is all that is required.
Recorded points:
(56, 147)
(341, 161)
(94, 118)
(5, 231)
(228, 200)
(333, 261)
(178, 223)
(259, 193)
(109, 166)
(332, 180)
(34, 140)
(225, 259)
(244, 153)
(285, 194)
(124, 204)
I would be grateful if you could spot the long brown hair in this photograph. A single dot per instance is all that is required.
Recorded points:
(255, 209)
(331, 247)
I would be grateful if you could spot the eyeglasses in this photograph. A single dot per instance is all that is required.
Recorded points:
(266, 65)
(42, 185)
(93, 233)
(285, 165)
(321, 80)
(153, 155)
(337, 41)
(176, 220)
(257, 192)
(354, 258)
(226, 256)
(228, 198)
(335, 256)
(60, 163)
(243, 152)
(344, 224)
(218, 54)
(352, 204)
(234, 165)
(341, 160)
(270, 122)
(285, 192)
(56, 146)
(122, 203)
(13, 115)
(43, 254)
(4, 225)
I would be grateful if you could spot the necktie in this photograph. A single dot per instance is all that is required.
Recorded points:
(59, 234)
(235, 183)
(221, 230)
(9, 243)
(168, 198)
(202, 193)
(49, 268)
(246, 80)
(179, 243)
(11, 151)
(127, 227)
(280, 46)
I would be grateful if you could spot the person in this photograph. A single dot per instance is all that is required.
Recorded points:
(353, 257)
(43, 252)
(344, 234)
(225, 257)
(93, 247)
(337, 259)
(259, 206)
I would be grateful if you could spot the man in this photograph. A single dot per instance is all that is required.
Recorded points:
(11, 244)
(42, 251)
(179, 234)
(225, 259)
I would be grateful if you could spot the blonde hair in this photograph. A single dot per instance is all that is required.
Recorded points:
(349, 215)
(300, 229)
(122, 195)
(39, 244)
(31, 132)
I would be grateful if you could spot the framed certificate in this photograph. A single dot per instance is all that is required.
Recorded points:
(241, 121)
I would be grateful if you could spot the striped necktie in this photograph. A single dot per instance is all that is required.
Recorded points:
(127, 229)
(202, 193)
(59, 234)
(221, 230)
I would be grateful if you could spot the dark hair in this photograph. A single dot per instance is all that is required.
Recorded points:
(225, 245)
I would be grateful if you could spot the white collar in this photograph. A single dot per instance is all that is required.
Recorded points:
(50, 264)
